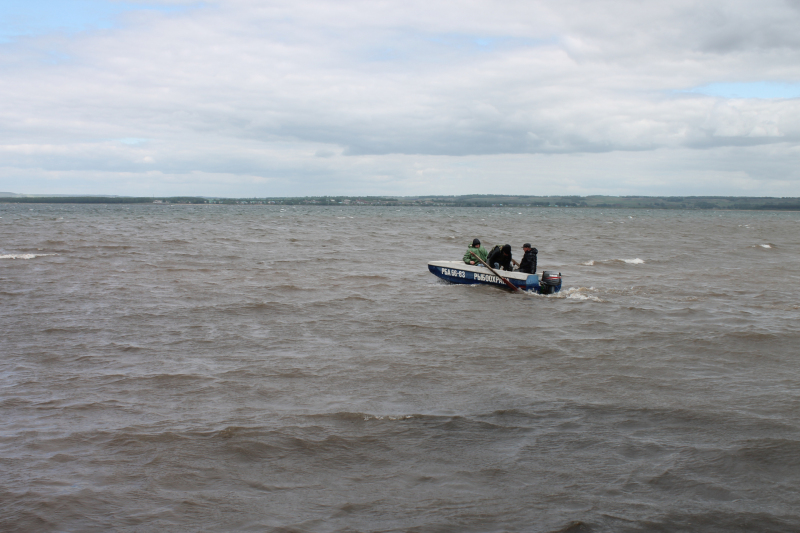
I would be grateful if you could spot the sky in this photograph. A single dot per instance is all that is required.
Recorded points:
(244, 98)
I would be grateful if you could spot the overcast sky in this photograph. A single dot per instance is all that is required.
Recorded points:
(316, 97)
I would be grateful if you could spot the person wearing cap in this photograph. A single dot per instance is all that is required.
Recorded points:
(477, 249)
(528, 263)
(501, 258)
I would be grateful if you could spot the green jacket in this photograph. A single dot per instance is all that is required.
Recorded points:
(480, 250)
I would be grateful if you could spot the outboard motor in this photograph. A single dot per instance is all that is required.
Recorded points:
(551, 282)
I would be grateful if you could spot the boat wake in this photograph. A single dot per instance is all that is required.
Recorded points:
(580, 293)
(573, 293)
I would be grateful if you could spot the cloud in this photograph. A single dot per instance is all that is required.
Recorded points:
(276, 90)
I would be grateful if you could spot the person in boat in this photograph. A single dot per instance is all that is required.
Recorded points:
(501, 257)
(477, 249)
(528, 263)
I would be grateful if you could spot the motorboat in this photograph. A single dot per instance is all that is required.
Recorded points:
(548, 282)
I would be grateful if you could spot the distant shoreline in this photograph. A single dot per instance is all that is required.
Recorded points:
(608, 202)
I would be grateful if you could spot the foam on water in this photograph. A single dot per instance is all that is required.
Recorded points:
(24, 256)
(593, 262)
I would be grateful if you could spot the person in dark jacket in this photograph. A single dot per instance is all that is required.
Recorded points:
(501, 258)
(528, 263)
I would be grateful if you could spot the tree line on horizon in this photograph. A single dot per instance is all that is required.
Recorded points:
(478, 200)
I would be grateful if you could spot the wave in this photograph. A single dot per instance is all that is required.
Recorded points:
(635, 261)
(23, 256)
(351, 416)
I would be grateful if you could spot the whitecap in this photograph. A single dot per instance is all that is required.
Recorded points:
(636, 261)
(588, 263)
(23, 256)
(765, 245)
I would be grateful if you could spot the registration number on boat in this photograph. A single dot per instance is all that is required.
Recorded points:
(454, 273)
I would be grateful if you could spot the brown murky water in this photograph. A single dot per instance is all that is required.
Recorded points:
(218, 368)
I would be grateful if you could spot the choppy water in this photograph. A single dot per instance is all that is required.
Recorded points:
(220, 368)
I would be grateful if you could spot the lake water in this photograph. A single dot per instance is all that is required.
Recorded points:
(268, 368)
